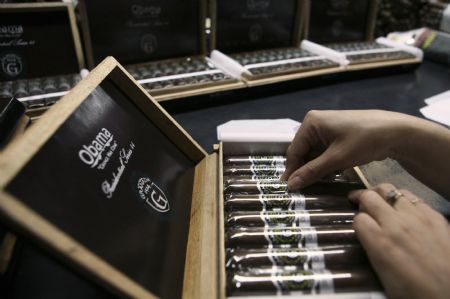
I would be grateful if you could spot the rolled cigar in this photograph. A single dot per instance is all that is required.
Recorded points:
(63, 84)
(34, 87)
(291, 201)
(289, 218)
(299, 237)
(21, 89)
(271, 170)
(50, 85)
(331, 257)
(280, 281)
(255, 160)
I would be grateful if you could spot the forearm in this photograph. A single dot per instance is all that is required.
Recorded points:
(425, 153)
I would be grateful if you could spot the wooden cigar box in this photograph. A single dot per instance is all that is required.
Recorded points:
(264, 37)
(109, 184)
(41, 53)
(161, 43)
(349, 28)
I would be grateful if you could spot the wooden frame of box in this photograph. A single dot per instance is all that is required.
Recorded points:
(301, 30)
(51, 6)
(169, 93)
(370, 32)
(204, 263)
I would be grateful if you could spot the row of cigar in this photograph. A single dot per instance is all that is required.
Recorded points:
(280, 242)
(38, 86)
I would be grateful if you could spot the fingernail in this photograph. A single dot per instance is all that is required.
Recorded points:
(295, 183)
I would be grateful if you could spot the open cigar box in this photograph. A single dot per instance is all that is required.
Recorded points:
(161, 43)
(264, 37)
(347, 27)
(108, 183)
(41, 55)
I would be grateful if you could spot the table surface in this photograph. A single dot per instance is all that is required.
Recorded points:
(36, 275)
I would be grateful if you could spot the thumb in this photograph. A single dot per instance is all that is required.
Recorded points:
(314, 170)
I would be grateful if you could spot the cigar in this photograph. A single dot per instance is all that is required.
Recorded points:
(299, 237)
(291, 201)
(296, 280)
(255, 160)
(271, 170)
(50, 85)
(63, 84)
(289, 218)
(331, 257)
(34, 87)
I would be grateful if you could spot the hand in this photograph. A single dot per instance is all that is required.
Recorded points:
(344, 139)
(408, 244)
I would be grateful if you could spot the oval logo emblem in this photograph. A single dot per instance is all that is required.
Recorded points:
(152, 195)
(11, 65)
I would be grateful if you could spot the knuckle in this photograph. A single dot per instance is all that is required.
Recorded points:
(312, 115)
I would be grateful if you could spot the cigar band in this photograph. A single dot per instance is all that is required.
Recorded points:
(299, 202)
(309, 236)
(267, 170)
(325, 283)
(301, 282)
(271, 188)
(316, 259)
(302, 218)
(267, 160)
(279, 218)
(265, 178)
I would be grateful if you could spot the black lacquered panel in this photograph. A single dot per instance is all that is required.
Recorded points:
(144, 30)
(338, 21)
(115, 183)
(255, 24)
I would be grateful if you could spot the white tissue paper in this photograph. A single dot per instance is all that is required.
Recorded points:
(258, 130)
(438, 108)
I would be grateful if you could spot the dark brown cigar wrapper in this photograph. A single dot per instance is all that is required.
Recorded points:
(289, 218)
(330, 257)
(299, 237)
(291, 201)
(291, 280)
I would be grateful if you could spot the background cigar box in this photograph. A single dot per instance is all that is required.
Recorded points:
(349, 27)
(161, 43)
(46, 34)
(263, 34)
(109, 184)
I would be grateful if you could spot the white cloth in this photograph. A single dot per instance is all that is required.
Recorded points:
(258, 130)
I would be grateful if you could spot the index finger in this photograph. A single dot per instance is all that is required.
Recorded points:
(297, 150)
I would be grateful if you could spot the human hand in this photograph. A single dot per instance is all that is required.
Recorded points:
(407, 242)
(345, 139)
